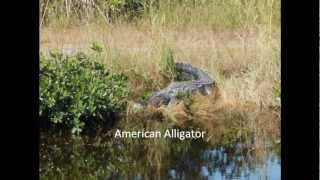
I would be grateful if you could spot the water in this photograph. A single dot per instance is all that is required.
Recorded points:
(107, 158)
(269, 170)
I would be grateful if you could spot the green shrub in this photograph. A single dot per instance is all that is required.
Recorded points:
(77, 90)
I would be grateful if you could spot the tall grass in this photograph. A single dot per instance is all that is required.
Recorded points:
(217, 15)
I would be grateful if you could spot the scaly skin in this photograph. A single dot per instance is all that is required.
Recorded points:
(202, 83)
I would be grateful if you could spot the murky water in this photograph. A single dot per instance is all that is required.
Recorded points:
(108, 158)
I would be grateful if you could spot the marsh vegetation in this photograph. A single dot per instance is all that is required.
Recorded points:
(99, 57)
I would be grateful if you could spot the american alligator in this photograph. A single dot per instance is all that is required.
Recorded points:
(201, 83)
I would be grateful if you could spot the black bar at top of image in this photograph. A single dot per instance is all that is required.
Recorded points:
(300, 89)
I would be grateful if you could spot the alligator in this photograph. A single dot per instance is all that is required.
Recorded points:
(200, 82)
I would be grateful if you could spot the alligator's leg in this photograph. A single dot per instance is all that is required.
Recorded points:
(159, 98)
(172, 101)
(206, 89)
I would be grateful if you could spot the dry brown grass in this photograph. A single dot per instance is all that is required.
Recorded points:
(219, 117)
(244, 64)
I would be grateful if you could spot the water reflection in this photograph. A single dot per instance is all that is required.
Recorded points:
(105, 158)
(229, 162)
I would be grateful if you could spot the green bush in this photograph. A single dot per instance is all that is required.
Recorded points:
(77, 90)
